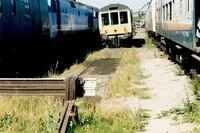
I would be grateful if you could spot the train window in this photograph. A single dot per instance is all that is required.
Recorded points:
(114, 18)
(187, 10)
(167, 14)
(13, 3)
(105, 19)
(123, 18)
(163, 13)
(72, 4)
(170, 10)
(180, 9)
(79, 13)
(174, 10)
(1, 10)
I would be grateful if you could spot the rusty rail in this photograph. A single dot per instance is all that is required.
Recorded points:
(26, 87)
(69, 111)
(40, 87)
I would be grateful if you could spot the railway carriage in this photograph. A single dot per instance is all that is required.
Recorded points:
(115, 23)
(43, 31)
(177, 28)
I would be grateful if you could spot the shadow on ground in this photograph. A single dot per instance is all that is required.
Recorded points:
(136, 42)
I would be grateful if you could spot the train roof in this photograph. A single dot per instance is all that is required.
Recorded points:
(114, 7)
(86, 5)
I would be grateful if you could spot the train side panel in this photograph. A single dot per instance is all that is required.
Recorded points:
(175, 22)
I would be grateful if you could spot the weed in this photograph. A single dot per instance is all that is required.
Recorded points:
(127, 72)
(196, 87)
(29, 114)
(94, 120)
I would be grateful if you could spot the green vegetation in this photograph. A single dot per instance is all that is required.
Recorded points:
(127, 73)
(95, 120)
(29, 114)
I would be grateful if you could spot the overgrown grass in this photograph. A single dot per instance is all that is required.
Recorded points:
(94, 120)
(149, 43)
(29, 114)
(128, 72)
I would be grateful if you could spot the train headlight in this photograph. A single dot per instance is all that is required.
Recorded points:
(106, 31)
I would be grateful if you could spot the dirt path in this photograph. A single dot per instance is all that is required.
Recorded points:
(167, 91)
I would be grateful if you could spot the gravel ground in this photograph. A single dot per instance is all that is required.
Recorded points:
(167, 91)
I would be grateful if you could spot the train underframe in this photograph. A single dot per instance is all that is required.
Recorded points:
(116, 40)
(186, 58)
(36, 56)
(24, 56)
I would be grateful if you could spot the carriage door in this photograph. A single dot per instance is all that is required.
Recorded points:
(55, 18)
(114, 19)
(90, 20)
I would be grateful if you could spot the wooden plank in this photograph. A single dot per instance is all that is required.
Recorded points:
(72, 88)
(67, 88)
(62, 116)
(66, 120)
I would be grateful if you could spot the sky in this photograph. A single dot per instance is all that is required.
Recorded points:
(135, 5)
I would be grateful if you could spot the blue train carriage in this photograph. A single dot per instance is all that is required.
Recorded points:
(42, 22)
(23, 23)
(115, 23)
(77, 27)
(177, 24)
